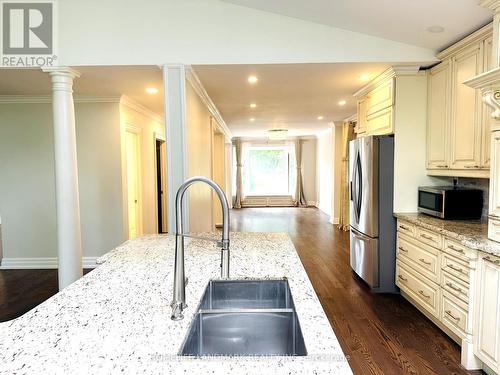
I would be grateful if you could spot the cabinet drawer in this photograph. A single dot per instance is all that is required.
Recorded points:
(430, 238)
(456, 267)
(456, 250)
(381, 122)
(421, 258)
(406, 228)
(454, 315)
(455, 286)
(425, 293)
(381, 98)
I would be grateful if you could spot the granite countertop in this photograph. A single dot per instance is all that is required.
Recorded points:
(473, 234)
(116, 319)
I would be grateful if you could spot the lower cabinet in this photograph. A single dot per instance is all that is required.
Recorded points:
(487, 320)
(458, 288)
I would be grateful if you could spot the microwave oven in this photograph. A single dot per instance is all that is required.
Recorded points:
(452, 203)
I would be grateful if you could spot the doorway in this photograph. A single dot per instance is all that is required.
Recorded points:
(133, 184)
(161, 186)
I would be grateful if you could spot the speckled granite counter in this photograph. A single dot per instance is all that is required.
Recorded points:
(473, 234)
(116, 319)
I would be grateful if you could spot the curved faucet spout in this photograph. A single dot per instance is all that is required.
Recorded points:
(179, 300)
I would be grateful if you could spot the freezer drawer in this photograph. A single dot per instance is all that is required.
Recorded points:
(365, 258)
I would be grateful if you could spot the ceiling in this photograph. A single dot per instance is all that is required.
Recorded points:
(290, 96)
(101, 81)
(399, 20)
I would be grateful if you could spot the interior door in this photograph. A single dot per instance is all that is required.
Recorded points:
(132, 151)
(363, 183)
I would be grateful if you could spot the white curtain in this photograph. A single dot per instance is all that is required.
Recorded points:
(300, 200)
(239, 182)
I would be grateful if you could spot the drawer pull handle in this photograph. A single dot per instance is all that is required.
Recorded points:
(448, 312)
(456, 249)
(471, 166)
(456, 269)
(402, 249)
(427, 237)
(404, 227)
(425, 262)
(421, 292)
(454, 287)
(494, 261)
(402, 278)
(441, 166)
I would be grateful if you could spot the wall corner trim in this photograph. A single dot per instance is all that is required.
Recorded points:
(134, 105)
(202, 93)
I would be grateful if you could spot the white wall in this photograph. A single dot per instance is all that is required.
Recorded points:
(199, 161)
(337, 175)
(325, 152)
(410, 142)
(309, 170)
(27, 190)
(209, 32)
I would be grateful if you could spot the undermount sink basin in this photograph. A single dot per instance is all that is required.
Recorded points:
(245, 317)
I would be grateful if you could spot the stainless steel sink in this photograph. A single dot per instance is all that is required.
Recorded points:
(245, 317)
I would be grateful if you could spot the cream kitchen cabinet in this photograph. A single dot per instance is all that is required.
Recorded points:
(457, 129)
(392, 96)
(438, 109)
(487, 320)
(466, 115)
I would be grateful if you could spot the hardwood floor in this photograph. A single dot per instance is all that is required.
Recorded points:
(22, 290)
(380, 334)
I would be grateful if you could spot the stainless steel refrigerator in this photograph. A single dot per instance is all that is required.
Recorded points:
(373, 227)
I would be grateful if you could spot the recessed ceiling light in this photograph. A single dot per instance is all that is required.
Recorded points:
(435, 29)
(252, 79)
(320, 117)
(252, 119)
(253, 105)
(364, 77)
(342, 102)
(152, 90)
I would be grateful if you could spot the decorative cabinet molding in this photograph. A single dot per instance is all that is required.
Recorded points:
(457, 128)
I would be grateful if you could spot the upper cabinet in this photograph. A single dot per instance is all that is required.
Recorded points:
(375, 106)
(457, 129)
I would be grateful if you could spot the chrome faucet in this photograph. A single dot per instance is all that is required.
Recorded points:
(180, 281)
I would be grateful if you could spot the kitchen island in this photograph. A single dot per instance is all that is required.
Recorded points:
(117, 317)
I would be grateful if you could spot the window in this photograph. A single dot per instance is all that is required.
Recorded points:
(267, 170)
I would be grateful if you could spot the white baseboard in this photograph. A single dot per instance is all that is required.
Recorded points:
(312, 203)
(40, 263)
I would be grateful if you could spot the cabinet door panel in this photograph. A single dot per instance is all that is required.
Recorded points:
(438, 116)
(487, 345)
(361, 125)
(466, 111)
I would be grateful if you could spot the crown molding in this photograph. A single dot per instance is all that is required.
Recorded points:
(202, 93)
(475, 37)
(494, 5)
(47, 99)
(134, 105)
(393, 71)
(353, 117)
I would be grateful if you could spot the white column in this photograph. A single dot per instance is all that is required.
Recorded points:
(66, 172)
(174, 82)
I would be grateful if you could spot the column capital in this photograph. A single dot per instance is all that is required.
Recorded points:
(65, 71)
